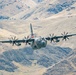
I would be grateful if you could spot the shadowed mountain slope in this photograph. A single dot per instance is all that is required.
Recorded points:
(45, 57)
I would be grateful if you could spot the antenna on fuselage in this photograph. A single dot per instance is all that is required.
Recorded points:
(31, 29)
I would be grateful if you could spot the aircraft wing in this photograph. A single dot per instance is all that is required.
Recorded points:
(18, 41)
(10, 41)
(64, 37)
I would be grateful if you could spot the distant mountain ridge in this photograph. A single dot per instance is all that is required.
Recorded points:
(13, 7)
(40, 8)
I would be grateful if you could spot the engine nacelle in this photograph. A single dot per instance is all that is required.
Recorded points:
(18, 44)
(57, 40)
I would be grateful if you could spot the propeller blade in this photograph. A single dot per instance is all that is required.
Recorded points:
(12, 44)
(25, 37)
(61, 33)
(64, 36)
(25, 40)
(67, 38)
(53, 34)
(51, 37)
(13, 39)
(50, 34)
(66, 33)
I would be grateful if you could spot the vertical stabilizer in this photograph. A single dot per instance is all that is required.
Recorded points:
(31, 29)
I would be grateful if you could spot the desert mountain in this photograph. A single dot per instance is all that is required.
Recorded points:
(47, 17)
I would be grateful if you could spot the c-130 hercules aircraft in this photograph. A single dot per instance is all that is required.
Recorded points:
(37, 42)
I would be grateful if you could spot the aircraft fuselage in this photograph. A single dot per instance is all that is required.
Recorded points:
(38, 43)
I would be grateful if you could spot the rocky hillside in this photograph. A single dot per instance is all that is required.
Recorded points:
(45, 9)
(47, 17)
(33, 9)
(13, 7)
(44, 57)
(65, 67)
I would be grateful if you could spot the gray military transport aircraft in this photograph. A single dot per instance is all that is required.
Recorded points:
(37, 42)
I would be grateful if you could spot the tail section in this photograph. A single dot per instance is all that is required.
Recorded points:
(31, 29)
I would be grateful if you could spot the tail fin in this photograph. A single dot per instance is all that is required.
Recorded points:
(31, 29)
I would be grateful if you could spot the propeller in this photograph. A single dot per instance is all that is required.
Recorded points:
(51, 37)
(13, 39)
(65, 36)
(25, 40)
